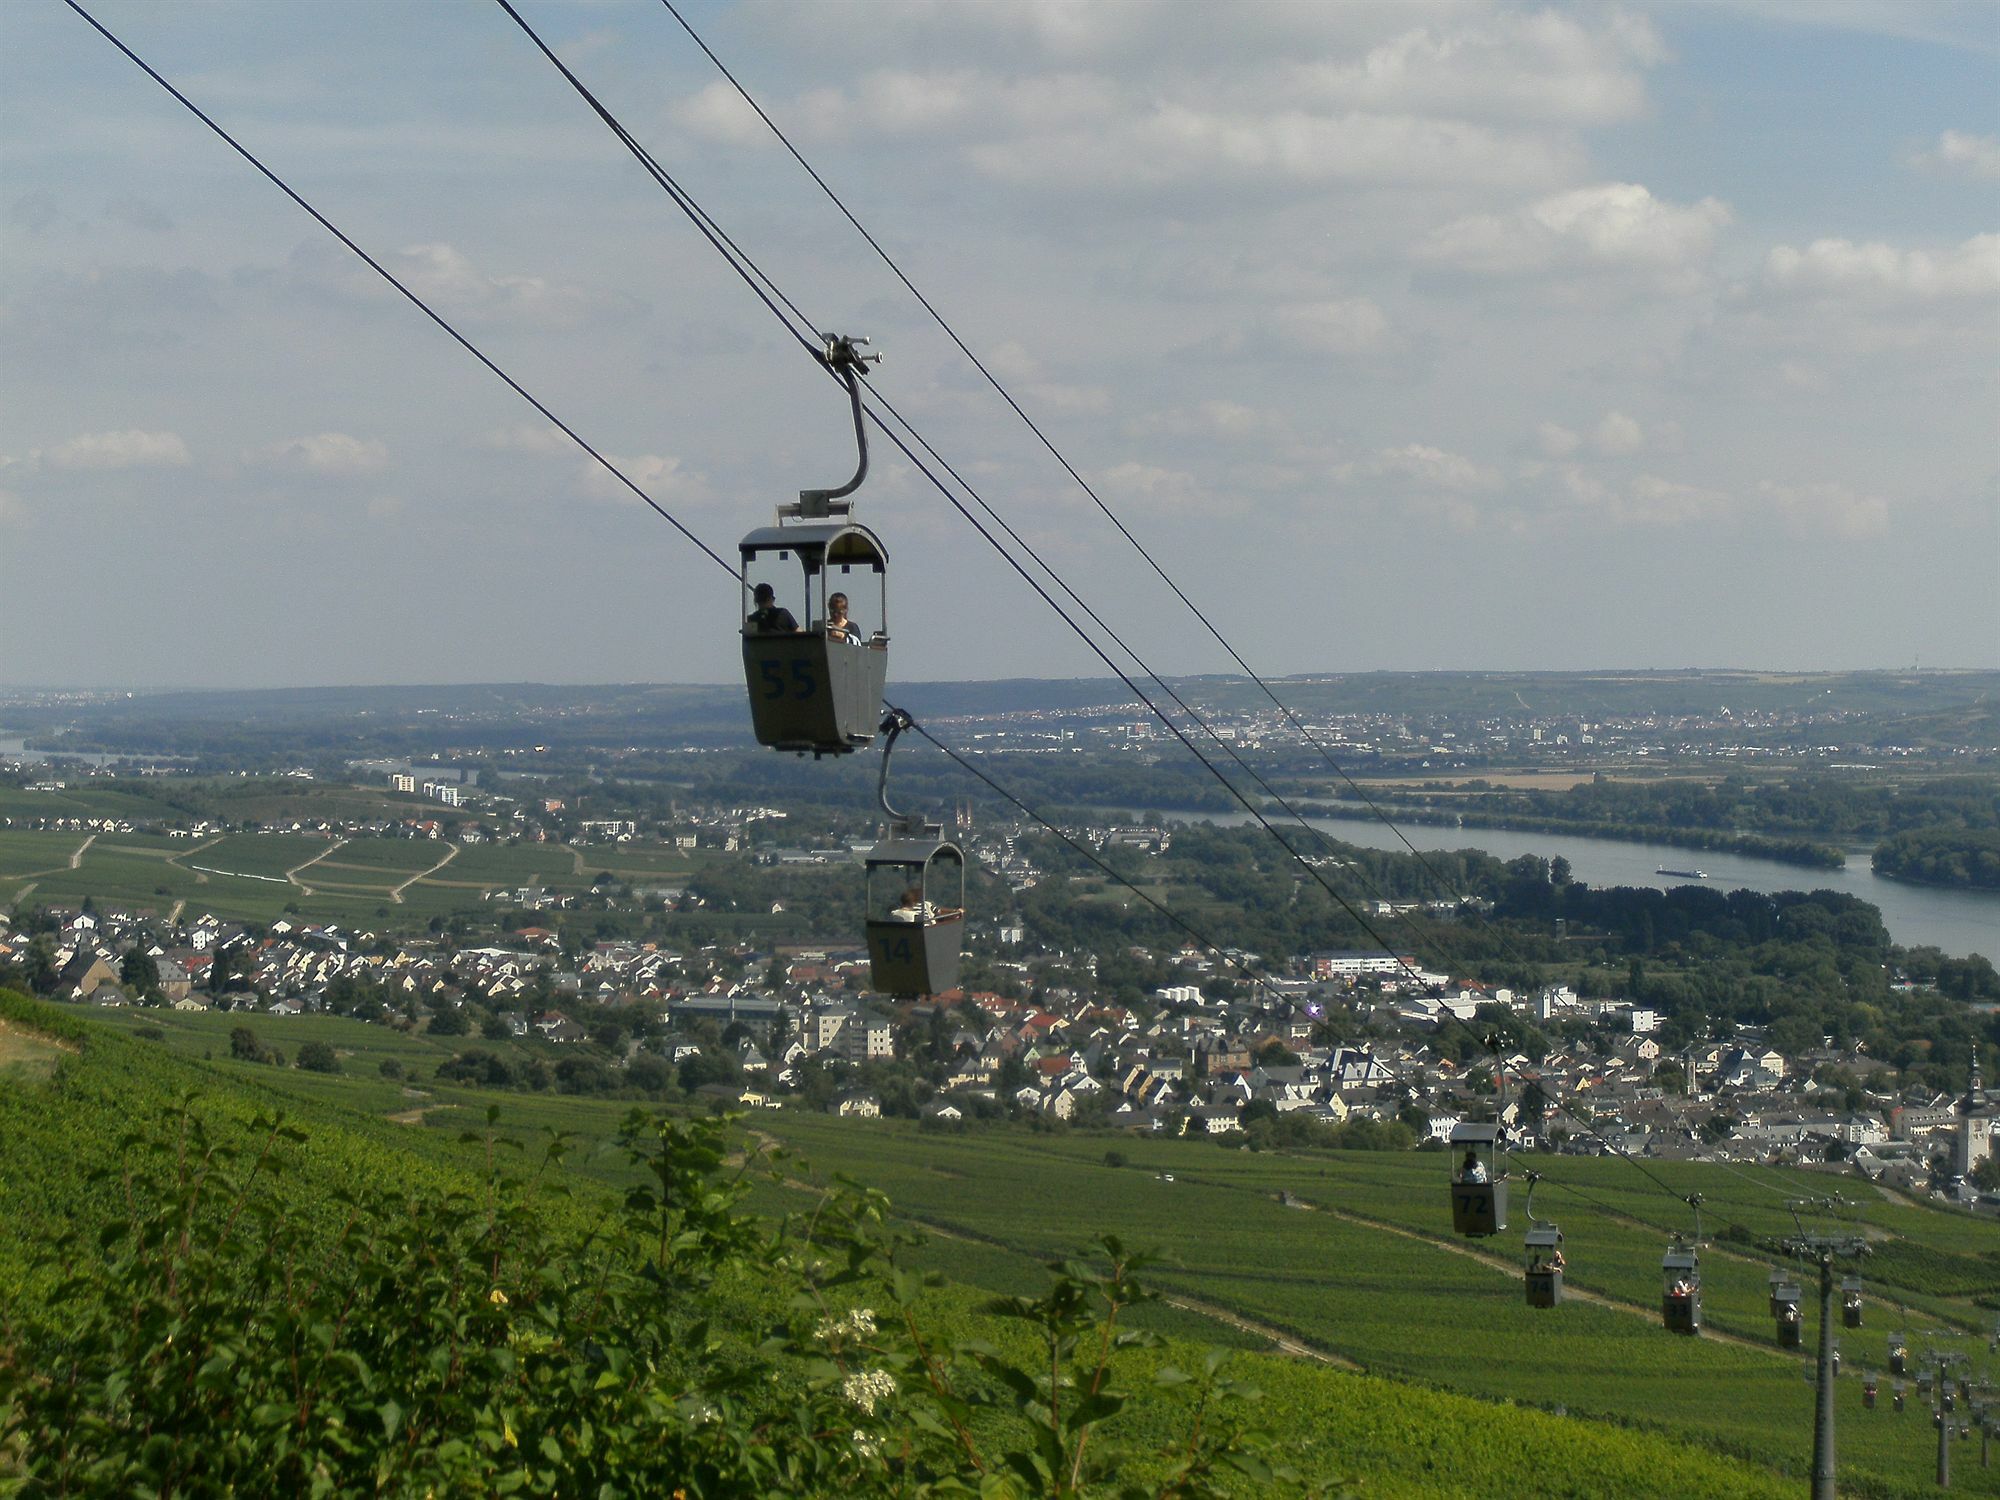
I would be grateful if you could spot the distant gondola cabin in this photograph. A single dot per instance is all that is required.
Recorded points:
(1680, 1289)
(1785, 1300)
(1478, 1188)
(915, 912)
(1545, 1265)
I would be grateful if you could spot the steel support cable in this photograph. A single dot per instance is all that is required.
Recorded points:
(1438, 881)
(389, 276)
(1056, 453)
(1132, 687)
(1423, 936)
(687, 205)
(752, 274)
(1091, 855)
(1651, 1176)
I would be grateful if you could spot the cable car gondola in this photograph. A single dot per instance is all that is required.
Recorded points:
(1785, 1298)
(1680, 1294)
(1850, 1301)
(1478, 1183)
(1680, 1278)
(915, 914)
(1545, 1257)
(816, 687)
(1899, 1354)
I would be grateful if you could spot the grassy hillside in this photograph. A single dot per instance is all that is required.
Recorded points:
(1359, 1275)
(1394, 1437)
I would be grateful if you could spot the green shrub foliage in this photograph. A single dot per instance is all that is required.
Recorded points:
(207, 1341)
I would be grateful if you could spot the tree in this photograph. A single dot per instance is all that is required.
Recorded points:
(138, 970)
(449, 1021)
(243, 1045)
(1986, 1173)
(317, 1057)
(1534, 1101)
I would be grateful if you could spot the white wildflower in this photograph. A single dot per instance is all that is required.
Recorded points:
(868, 1389)
(859, 1324)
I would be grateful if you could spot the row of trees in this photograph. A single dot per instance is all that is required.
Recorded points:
(1943, 856)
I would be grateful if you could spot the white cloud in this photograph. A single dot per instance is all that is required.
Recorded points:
(1818, 508)
(1645, 500)
(1174, 144)
(718, 113)
(1232, 419)
(658, 474)
(1961, 151)
(1353, 325)
(455, 285)
(131, 449)
(1426, 466)
(1618, 435)
(1534, 66)
(530, 437)
(1614, 224)
(1556, 440)
(1879, 272)
(1149, 484)
(332, 453)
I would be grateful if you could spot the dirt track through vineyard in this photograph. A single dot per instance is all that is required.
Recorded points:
(1278, 1338)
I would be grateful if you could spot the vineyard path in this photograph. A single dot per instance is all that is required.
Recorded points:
(1283, 1342)
(293, 873)
(175, 860)
(75, 861)
(450, 854)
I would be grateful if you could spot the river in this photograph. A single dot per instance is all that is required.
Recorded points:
(1958, 921)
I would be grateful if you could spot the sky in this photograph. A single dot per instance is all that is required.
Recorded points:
(1404, 334)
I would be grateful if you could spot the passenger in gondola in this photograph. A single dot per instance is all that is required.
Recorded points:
(770, 617)
(914, 908)
(1556, 1261)
(1681, 1290)
(838, 626)
(1472, 1169)
(1790, 1314)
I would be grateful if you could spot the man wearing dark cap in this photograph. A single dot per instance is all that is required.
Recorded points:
(770, 617)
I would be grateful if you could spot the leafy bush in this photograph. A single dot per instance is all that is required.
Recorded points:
(459, 1342)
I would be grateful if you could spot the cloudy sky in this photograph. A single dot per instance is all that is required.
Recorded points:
(1407, 334)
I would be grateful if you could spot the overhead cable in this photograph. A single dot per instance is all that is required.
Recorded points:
(389, 276)
(1056, 453)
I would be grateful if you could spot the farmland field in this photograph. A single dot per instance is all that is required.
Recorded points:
(493, 865)
(396, 858)
(23, 851)
(267, 854)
